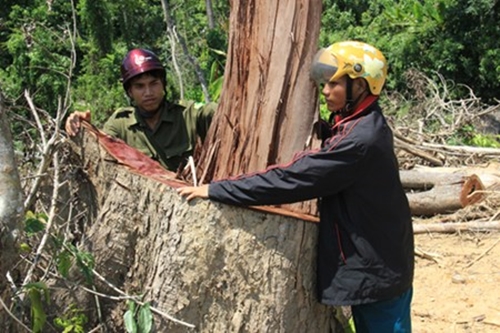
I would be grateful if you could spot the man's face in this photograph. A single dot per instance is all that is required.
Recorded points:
(335, 94)
(147, 92)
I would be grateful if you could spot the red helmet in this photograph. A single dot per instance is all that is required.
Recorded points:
(138, 61)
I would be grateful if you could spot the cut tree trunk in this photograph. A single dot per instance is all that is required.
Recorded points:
(431, 193)
(213, 266)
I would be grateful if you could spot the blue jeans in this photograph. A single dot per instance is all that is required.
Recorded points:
(392, 316)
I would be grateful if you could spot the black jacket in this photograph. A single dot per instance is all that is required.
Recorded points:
(365, 245)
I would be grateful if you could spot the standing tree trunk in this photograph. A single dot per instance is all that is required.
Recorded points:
(11, 209)
(268, 104)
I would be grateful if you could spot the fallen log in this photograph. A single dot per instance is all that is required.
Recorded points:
(431, 193)
(489, 173)
(456, 227)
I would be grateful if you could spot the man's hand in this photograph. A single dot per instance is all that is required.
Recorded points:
(191, 192)
(74, 122)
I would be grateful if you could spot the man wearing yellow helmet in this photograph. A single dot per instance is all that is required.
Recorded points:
(365, 243)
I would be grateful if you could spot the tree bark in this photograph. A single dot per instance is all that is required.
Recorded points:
(11, 208)
(268, 105)
(11, 196)
(217, 267)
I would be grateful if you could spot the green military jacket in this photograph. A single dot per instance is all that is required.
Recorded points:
(173, 140)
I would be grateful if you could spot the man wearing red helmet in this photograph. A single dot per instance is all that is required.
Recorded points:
(365, 245)
(160, 129)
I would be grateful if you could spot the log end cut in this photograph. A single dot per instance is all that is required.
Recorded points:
(472, 191)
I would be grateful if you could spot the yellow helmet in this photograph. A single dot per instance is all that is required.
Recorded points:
(353, 58)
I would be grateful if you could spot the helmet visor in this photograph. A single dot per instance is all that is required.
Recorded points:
(323, 67)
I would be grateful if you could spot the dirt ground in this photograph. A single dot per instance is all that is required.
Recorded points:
(457, 283)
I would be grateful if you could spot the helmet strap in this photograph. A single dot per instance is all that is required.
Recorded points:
(350, 103)
(337, 116)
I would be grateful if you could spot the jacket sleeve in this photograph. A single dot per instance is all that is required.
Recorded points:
(310, 175)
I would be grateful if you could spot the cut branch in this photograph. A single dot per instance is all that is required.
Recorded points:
(456, 227)
(399, 143)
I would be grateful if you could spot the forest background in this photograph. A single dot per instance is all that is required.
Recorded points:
(58, 56)
(48, 46)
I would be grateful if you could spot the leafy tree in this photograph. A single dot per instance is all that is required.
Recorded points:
(455, 38)
(96, 18)
(40, 53)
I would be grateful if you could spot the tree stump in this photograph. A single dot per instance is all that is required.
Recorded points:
(217, 267)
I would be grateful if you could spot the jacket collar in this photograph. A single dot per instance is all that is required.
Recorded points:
(366, 103)
(165, 115)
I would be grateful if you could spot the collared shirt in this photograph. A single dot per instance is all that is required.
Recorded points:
(173, 139)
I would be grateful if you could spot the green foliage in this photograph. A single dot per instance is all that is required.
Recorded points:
(485, 140)
(72, 321)
(39, 53)
(217, 44)
(351, 328)
(37, 38)
(98, 87)
(63, 252)
(215, 82)
(96, 19)
(455, 38)
(67, 254)
(64, 262)
(138, 319)
(207, 44)
(34, 223)
(85, 261)
(38, 294)
(145, 318)
(468, 135)
(128, 318)
(137, 23)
